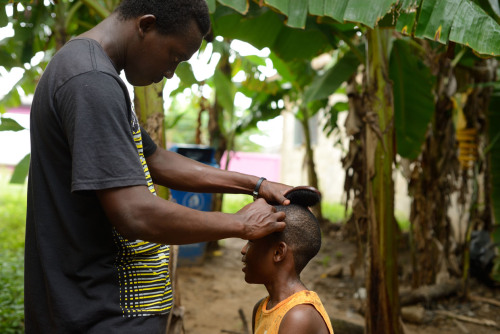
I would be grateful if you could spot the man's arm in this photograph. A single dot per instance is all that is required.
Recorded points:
(303, 319)
(138, 214)
(181, 173)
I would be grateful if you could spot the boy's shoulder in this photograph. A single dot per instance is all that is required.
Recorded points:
(303, 318)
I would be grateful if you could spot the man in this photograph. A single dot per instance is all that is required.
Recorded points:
(96, 256)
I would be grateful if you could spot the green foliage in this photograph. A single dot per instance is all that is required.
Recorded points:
(334, 212)
(323, 85)
(12, 226)
(234, 202)
(263, 27)
(413, 98)
(461, 21)
(8, 124)
(21, 171)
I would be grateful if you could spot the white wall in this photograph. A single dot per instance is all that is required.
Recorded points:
(329, 168)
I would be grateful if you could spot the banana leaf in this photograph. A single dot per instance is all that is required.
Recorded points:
(413, 98)
(460, 21)
(262, 27)
(326, 84)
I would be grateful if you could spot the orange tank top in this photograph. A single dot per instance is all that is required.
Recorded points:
(268, 321)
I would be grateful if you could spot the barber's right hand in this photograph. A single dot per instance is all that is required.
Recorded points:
(260, 219)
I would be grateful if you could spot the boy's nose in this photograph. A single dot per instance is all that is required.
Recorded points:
(244, 249)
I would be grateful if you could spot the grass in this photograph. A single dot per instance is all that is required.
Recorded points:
(12, 226)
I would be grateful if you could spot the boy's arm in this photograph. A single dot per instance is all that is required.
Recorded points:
(303, 319)
(254, 312)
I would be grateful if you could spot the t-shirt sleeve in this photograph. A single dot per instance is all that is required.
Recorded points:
(148, 143)
(96, 117)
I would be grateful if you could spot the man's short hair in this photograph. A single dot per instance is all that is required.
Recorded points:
(172, 16)
(302, 233)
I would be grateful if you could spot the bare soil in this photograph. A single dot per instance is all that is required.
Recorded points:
(216, 299)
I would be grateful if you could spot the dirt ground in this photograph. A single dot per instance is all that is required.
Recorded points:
(216, 299)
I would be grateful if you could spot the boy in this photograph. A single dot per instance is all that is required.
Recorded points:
(276, 261)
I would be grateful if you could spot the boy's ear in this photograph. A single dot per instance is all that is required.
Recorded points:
(280, 251)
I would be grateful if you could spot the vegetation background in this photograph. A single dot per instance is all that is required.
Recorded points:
(421, 79)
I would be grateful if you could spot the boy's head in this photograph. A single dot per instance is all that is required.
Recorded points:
(292, 248)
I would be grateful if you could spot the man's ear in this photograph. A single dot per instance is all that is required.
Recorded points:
(145, 23)
(280, 251)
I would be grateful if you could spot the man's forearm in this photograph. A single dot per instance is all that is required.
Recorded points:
(178, 172)
(137, 214)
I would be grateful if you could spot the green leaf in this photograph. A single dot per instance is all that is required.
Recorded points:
(21, 170)
(408, 4)
(259, 61)
(265, 28)
(11, 99)
(326, 84)
(211, 5)
(436, 19)
(282, 68)
(474, 28)
(336, 9)
(8, 124)
(368, 12)
(224, 91)
(240, 6)
(413, 98)
(317, 7)
(491, 7)
(281, 5)
(185, 73)
(332, 115)
(4, 20)
(296, 10)
(297, 13)
(406, 22)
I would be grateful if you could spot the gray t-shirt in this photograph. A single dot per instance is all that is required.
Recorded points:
(81, 276)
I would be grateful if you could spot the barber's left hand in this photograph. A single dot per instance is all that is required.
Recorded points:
(273, 192)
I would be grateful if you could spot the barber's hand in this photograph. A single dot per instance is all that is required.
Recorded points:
(273, 192)
(260, 219)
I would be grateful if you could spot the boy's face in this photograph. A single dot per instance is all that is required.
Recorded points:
(258, 259)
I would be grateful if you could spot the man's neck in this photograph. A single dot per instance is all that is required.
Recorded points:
(112, 34)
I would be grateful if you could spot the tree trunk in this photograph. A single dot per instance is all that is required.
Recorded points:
(148, 102)
(383, 312)
(433, 180)
(312, 177)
